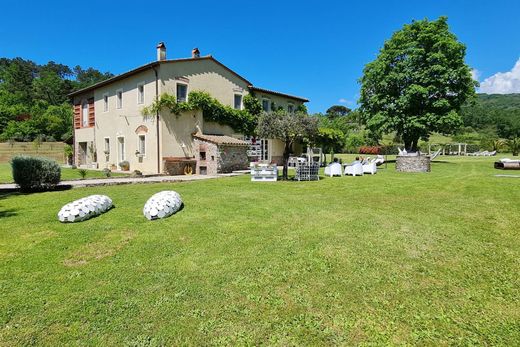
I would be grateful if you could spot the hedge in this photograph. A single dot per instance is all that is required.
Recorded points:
(35, 173)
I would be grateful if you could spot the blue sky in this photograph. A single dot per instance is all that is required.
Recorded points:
(315, 49)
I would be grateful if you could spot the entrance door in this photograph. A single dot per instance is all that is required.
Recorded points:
(121, 149)
(82, 153)
(264, 145)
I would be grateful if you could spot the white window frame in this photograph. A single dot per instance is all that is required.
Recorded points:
(140, 100)
(241, 106)
(84, 120)
(106, 149)
(119, 101)
(268, 104)
(120, 157)
(176, 91)
(139, 144)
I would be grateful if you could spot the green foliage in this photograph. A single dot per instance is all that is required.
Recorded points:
(302, 108)
(497, 114)
(34, 173)
(82, 173)
(33, 98)
(337, 111)
(354, 140)
(330, 140)
(243, 121)
(514, 145)
(417, 84)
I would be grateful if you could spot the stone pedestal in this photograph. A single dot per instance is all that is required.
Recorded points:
(420, 163)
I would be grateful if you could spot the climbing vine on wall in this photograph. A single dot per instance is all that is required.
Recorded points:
(242, 121)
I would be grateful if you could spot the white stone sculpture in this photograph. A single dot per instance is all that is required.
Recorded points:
(162, 205)
(85, 208)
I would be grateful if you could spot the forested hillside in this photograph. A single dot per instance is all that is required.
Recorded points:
(33, 98)
(496, 115)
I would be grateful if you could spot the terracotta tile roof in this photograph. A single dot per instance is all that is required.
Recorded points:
(278, 93)
(157, 63)
(221, 139)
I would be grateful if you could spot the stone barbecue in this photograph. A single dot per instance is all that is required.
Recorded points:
(220, 154)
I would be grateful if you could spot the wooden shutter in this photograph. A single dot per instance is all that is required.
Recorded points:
(77, 116)
(91, 113)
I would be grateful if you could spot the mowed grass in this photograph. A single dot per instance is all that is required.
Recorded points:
(6, 175)
(389, 259)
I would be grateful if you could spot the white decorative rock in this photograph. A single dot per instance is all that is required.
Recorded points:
(162, 205)
(85, 208)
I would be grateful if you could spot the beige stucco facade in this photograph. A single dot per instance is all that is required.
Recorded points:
(121, 133)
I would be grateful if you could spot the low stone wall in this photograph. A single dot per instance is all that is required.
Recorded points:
(412, 164)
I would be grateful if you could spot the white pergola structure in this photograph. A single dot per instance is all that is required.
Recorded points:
(462, 148)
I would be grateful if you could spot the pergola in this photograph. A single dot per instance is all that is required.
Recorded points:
(462, 148)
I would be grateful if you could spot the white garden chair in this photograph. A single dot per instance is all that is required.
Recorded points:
(333, 169)
(355, 169)
(370, 167)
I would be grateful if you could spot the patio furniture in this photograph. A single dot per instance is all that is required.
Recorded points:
(307, 171)
(355, 169)
(380, 160)
(333, 169)
(263, 172)
(293, 161)
(370, 167)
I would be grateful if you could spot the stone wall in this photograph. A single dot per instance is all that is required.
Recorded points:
(232, 158)
(413, 164)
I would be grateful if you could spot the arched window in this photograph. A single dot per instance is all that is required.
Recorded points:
(84, 113)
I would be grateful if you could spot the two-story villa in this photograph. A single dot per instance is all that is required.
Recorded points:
(109, 127)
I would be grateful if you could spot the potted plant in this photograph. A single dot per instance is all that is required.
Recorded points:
(124, 165)
(113, 166)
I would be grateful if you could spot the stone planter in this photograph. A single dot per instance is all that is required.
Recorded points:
(417, 163)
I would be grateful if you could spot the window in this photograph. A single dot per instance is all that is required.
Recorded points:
(202, 155)
(105, 102)
(84, 113)
(238, 102)
(119, 95)
(290, 108)
(106, 148)
(142, 145)
(182, 92)
(140, 93)
(121, 149)
(265, 105)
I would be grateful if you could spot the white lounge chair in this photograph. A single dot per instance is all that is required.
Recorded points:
(435, 154)
(333, 169)
(355, 169)
(370, 167)
(380, 160)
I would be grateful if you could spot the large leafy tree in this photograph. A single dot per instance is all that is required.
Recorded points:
(337, 111)
(288, 127)
(417, 84)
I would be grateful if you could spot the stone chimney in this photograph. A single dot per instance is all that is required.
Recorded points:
(161, 51)
(195, 53)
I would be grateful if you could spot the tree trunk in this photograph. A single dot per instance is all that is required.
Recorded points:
(410, 144)
(286, 153)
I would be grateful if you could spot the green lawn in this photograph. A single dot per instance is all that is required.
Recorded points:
(390, 259)
(66, 174)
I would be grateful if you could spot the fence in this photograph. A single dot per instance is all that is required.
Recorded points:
(51, 150)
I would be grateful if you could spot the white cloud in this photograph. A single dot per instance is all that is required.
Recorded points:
(346, 101)
(475, 74)
(502, 82)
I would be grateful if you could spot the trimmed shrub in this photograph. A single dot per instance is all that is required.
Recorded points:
(35, 173)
